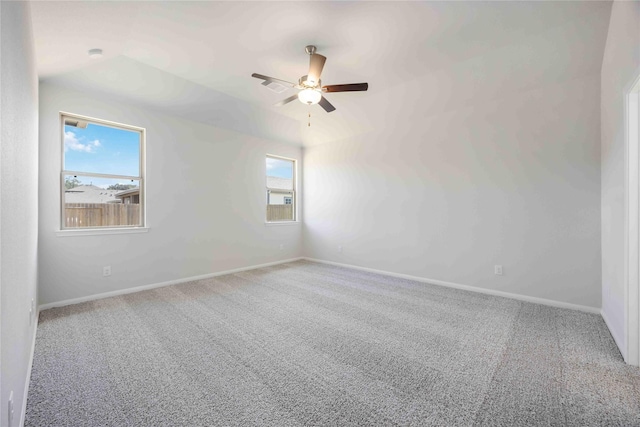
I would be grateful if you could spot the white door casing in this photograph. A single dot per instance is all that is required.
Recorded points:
(632, 224)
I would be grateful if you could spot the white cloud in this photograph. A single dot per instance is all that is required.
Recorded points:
(71, 142)
(271, 163)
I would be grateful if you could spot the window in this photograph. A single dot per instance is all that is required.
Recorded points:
(281, 191)
(102, 178)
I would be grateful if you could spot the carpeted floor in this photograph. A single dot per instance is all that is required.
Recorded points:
(306, 344)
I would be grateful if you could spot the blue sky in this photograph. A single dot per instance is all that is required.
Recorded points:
(101, 149)
(279, 168)
(107, 150)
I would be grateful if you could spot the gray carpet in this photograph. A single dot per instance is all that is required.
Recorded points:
(306, 344)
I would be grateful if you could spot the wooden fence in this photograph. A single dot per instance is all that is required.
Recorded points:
(79, 215)
(279, 212)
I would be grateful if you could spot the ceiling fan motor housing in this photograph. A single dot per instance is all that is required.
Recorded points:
(304, 82)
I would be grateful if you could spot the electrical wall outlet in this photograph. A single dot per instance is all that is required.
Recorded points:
(106, 271)
(339, 248)
(10, 409)
(497, 270)
(281, 247)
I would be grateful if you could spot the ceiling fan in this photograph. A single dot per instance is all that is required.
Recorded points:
(310, 86)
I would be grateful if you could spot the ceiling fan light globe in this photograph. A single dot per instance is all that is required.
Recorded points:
(309, 96)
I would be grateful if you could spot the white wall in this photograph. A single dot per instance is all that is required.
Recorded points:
(18, 201)
(511, 180)
(620, 66)
(205, 204)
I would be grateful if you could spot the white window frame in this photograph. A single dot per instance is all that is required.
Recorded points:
(294, 195)
(64, 172)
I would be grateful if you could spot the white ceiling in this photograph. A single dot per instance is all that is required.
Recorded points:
(195, 59)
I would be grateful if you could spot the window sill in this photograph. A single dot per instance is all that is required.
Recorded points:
(99, 232)
(281, 223)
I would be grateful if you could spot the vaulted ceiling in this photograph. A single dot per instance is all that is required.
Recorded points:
(195, 59)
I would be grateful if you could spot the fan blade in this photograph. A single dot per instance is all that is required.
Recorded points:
(326, 105)
(286, 101)
(272, 79)
(316, 64)
(353, 87)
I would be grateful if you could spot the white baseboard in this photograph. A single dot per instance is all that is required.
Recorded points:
(616, 338)
(159, 285)
(23, 411)
(518, 297)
